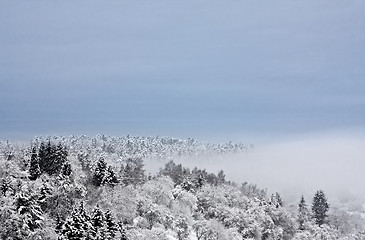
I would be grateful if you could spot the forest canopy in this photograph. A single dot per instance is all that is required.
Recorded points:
(98, 188)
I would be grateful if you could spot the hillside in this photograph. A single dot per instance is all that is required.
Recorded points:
(97, 188)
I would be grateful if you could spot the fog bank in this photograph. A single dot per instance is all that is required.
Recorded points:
(334, 164)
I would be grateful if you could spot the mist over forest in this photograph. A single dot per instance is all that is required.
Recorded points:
(135, 188)
(262, 103)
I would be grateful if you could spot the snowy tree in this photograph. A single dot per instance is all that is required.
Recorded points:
(221, 177)
(99, 173)
(134, 172)
(5, 185)
(111, 226)
(110, 177)
(123, 234)
(34, 169)
(29, 209)
(320, 207)
(99, 224)
(52, 157)
(303, 213)
(182, 228)
(67, 169)
(276, 200)
(78, 226)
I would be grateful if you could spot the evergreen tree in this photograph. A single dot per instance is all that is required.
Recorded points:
(110, 177)
(320, 207)
(58, 158)
(29, 209)
(42, 157)
(123, 234)
(5, 185)
(200, 181)
(59, 224)
(98, 222)
(221, 177)
(97, 218)
(52, 157)
(34, 169)
(110, 225)
(49, 158)
(78, 226)
(72, 228)
(66, 169)
(99, 173)
(134, 172)
(303, 213)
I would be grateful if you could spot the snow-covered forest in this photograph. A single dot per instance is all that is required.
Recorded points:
(98, 188)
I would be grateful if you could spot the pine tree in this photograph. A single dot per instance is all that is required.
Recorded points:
(320, 207)
(303, 213)
(59, 224)
(110, 225)
(221, 177)
(49, 158)
(200, 181)
(5, 185)
(99, 172)
(52, 157)
(34, 169)
(42, 157)
(123, 234)
(97, 218)
(58, 158)
(29, 209)
(66, 169)
(78, 226)
(110, 177)
(72, 228)
(134, 172)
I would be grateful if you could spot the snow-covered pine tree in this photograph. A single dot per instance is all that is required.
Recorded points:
(42, 157)
(5, 185)
(99, 172)
(303, 213)
(320, 207)
(59, 158)
(99, 224)
(52, 157)
(72, 228)
(66, 169)
(30, 211)
(110, 177)
(111, 226)
(123, 234)
(221, 177)
(34, 169)
(48, 165)
(78, 226)
(134, 172)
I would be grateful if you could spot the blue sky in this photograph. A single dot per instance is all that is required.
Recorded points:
(206, 69)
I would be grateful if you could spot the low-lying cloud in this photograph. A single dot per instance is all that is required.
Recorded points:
(334, 164)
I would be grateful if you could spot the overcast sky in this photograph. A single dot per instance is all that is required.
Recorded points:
(203, 68)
